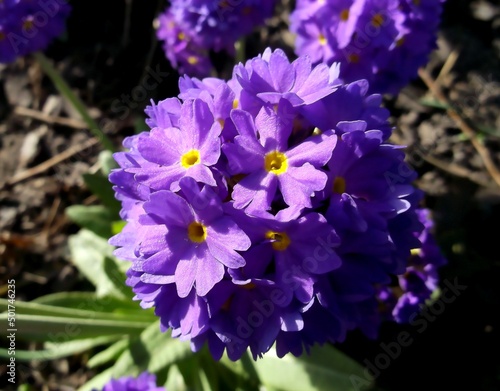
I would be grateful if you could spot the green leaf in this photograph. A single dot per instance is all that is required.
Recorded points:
(175, 380)
(490, 131)
(107, 162)
(244, 368)
(117, 226)
(63, 329)
(190, 371)
(54, 351)
(98, 381)
(199, 371)
(152, 351)
(103, 307)
(325, 368)
(100, 185)
(90, 301)
(434, 103)
(140, 124)
(96, 218)
(109, 354)
(208, 375)
(75, 101)
(82, 311)
(94, 258)
(229, 380)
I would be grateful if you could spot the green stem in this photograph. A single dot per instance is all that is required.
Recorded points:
(66, 91)
(240, 50)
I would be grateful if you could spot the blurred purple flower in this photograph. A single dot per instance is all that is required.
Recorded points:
(144, 382)
(421, 277)
(383, 41)
(191, 29)
(184, 51)
(29, 26)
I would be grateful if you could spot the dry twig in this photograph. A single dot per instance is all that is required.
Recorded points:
(462, 125)
(38, 115)
(451, 168)
(52, 161)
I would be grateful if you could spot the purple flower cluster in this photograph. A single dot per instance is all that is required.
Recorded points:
(420, 279)
(266, 209)
(144, 382)
(190, 29)
(384, 41)
(27, 26)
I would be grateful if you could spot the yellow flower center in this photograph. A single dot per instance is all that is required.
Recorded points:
(322, 39)
(416, 2)
(378, 20)
(236, 102)
(339, 185)
(415, 252)
(344, 15)
(197, 232)
(193, 60)
(190, 158)
(181, 36)
(28, 24)
(281, 241)
(354, 58)
(276, 162)
(400, 42)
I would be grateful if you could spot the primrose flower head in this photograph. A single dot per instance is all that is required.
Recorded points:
(28, 26)
(218, 24)
(267, 209)
(185, 51)
(384, 41)
(191, 29)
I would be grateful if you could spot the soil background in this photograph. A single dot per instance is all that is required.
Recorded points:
(108, 53)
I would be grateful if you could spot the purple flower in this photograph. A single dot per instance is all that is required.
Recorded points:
(219, 24)
(184, 51)
(192, 29)
(294, 234)
(271, 77)
(199, 239)
(28, 26)
(191, 149)
(298, 249)
(368, 181)
(144, 382)
(251, 315)
(420, 279)
(165, 114)
(127, 190)
(349, 103)
(383, 41)
(261, 151)
(320, 326)
(325, 27)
